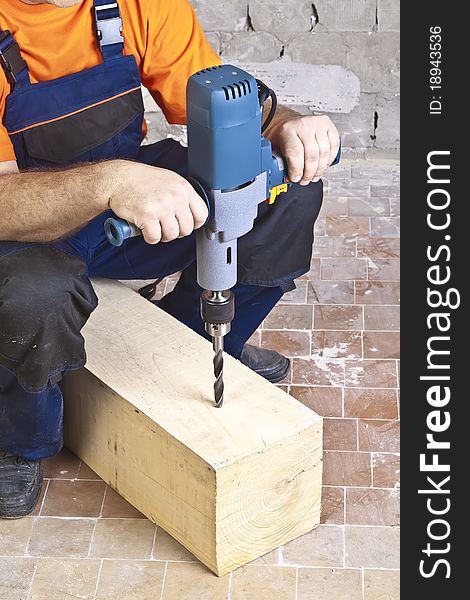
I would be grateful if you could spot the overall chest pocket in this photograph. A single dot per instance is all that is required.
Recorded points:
(109, 129)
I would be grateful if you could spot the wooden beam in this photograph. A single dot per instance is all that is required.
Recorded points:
(229, 483)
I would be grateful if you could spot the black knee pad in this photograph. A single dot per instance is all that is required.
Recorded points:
(45, 299)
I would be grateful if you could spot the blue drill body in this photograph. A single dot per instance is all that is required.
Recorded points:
(225, 145)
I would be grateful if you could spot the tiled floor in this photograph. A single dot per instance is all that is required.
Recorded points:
(340, 326)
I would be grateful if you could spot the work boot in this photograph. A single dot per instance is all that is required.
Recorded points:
(269, 364)
(20, 485)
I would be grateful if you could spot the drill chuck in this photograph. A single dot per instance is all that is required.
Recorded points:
(217, 312)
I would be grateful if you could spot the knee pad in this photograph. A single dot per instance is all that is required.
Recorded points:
(45, 299)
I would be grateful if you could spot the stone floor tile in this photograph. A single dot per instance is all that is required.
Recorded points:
(74, 499)
(167, 548)
(258, 582)
(317, 371)
(338, 317)
(255, 339)
(270, 558)
(322, 547)
(348, 187)
(381, 344)
(373, 170)
(371, 373)
(84, 472)
(385, 226)
(14, 536)
(334, 245)
(290, 343)
(116, 507)
(370, 404)
(337, 344)
(330, 292)
(381, 318)
(320, 226)
(61, 466)
(193, 581)
(383, 269)
(314, 272)
(37, 508)
(385, 189)
(369, 207)
(395, 207)
(379, 436)
(130, 580)
(297, 296)
(289, 316)
(372, 547)
(381, 585)
(347, 468)
(343, 269)
(16, 577)
(67, 538)
(170, 284)
(347, 226)
(329, 584)
(332, 505)
(326, 401)
(375, 247)
(339, 434)
(123, 538)
(372, 506)
(385, 470)
(334, 205)
(58, 579)
(377, 292)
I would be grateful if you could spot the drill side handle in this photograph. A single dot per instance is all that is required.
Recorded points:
(117, 230)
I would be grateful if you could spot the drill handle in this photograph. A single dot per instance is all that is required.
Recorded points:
(118, 230)
(278, 181)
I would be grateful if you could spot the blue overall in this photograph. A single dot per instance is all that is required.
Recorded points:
(45, 293)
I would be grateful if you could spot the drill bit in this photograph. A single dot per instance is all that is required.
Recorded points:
(217, 312)
(218, 345)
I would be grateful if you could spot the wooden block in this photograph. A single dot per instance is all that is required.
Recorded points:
(229, 483)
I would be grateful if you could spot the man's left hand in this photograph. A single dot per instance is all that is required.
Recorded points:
(308, 143)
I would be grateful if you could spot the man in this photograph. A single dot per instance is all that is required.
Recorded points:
(72, 119)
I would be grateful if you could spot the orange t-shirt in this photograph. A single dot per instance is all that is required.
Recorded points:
(164, 36)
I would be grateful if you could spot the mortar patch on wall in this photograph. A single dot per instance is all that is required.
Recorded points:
(329, 88)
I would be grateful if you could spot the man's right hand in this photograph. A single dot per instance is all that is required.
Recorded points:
(160, 202)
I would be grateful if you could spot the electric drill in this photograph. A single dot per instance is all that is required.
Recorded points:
(233, 168)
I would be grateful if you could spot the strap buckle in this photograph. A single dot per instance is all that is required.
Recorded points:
(11, 60)
(109, 30)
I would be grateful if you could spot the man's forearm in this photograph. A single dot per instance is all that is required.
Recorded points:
(41, 206)
(282, 114)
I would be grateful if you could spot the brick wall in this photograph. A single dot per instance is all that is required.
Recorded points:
(335, 56)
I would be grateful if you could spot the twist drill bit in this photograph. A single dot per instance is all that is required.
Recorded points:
(217, 312)
(218, 371)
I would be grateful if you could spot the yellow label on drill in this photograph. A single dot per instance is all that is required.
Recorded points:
(279, 189)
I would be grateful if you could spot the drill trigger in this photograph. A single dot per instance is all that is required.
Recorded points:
(275, 191)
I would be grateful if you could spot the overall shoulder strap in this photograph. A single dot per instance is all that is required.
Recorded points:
(11, 61)
(108, 28)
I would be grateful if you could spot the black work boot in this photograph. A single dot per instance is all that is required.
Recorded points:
(269, 364)
(20, 485)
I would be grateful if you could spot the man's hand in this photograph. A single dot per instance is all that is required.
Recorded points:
(159, 202)
(308, 143)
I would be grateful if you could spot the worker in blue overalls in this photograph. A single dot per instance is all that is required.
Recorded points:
(71, 128)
